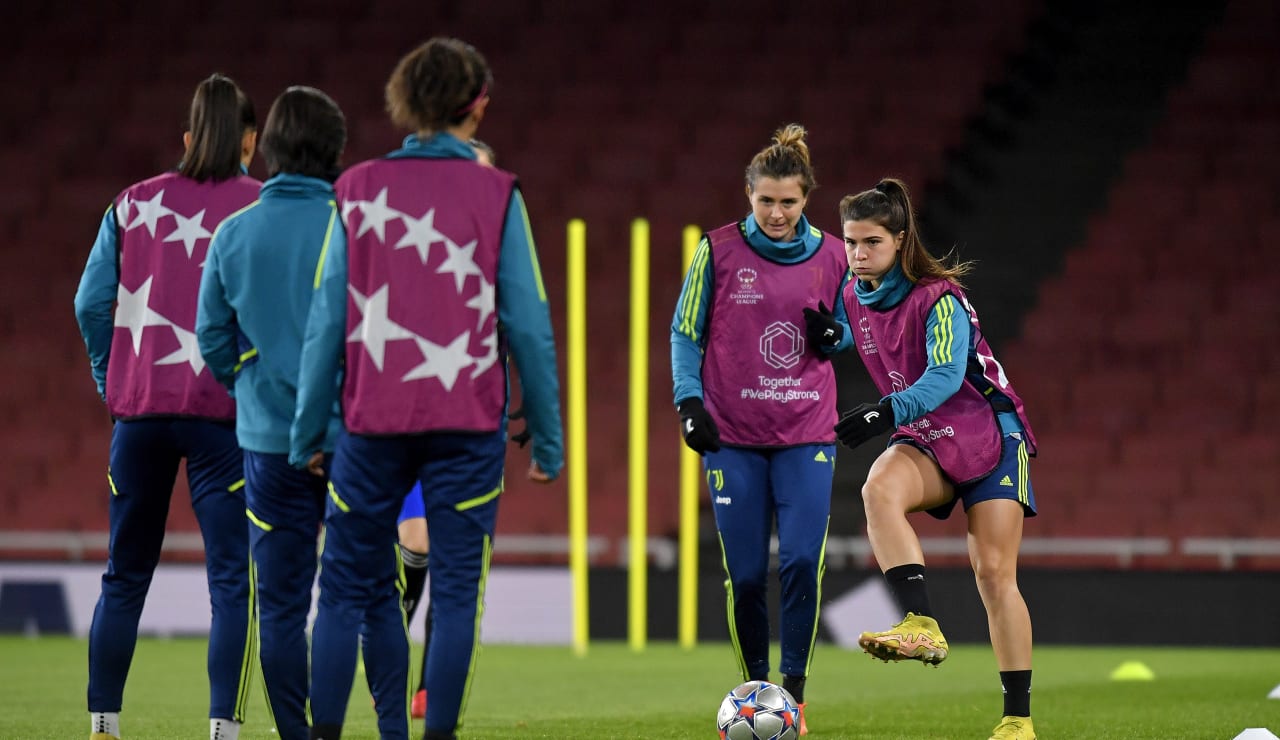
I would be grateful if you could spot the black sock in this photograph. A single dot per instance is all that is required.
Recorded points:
(326, 732)
(794, 686)
(426, 647)
(1017, 693)
(438, 735)
(415, 577)
(906, 582)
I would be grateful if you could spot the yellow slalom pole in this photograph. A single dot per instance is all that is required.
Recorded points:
(690, 483)
(576, 442)
(638, 442)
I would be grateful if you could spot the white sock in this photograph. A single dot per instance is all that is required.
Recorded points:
(106, 722)
(224, 729)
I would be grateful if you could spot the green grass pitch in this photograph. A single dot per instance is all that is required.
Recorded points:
(666, 692)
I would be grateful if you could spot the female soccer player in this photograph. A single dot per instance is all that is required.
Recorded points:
(414, 543)
(959, 433)
(439, 280)
(759, 403)
(254, 298)
(167, 405)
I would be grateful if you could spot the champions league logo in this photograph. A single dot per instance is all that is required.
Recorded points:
(747, 293)
(868, 345)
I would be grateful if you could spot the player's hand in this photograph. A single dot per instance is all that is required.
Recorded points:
(522, 437)
(821, 327)
(700, 431)
(864, 422)
(316, 464)
(536, 473)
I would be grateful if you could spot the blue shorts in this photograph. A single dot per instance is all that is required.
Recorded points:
(1011, 479)
(414, 507)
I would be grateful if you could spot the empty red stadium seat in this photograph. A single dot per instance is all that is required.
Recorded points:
(1077, 449)
(1146, 486)
(1244, 451)
(1217, 516)
(1174, 451)
(1107, 518)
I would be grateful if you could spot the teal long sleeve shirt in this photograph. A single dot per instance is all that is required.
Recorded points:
(255, 293)
(96, 297)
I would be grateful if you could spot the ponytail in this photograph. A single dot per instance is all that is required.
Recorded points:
(220, 115)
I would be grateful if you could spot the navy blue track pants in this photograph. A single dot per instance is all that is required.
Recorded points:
(286, 507)
(749, 489)
(145, 455)
(461, 476)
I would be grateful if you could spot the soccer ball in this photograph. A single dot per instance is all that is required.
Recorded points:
(758, 710)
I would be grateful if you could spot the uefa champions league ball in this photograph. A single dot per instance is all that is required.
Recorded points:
(758, 710)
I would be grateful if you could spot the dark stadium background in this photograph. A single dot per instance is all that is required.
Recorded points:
(1114, 168)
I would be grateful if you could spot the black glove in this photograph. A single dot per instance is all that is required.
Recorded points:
(821, 327)
(522, 438)
(864, 422)
(700, 431)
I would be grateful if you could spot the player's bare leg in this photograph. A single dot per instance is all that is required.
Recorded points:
(902, 480)
(995, 534)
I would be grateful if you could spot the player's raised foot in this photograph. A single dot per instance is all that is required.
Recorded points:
(419, 706)
(804, 728)
(1014, 728)
(914, 638)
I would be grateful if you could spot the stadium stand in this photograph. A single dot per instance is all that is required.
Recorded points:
(608, 113)
(1169, 310)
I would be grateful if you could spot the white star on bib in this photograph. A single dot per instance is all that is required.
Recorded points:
(375, 215)
(149, 212)
(460, 263)
(188, 352)
(490, 357)
(375, 328)
(482, 303)
(134, 313)
(189, 231)
(122, 210)
(442, 362)
(420, 233)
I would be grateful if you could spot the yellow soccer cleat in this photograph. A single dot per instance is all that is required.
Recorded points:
(914, 638)
(1014, 728)
(102, 736)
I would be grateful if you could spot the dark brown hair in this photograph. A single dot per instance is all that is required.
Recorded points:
(437, 85)
(304, 134)
(787, 156)
(220, 115)
(889, 205)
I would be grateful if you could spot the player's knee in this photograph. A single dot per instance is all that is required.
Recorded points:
(798, 566)
(879, 498)
(748, 584)
(995, 574)
(413, 534)
(414, 542)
